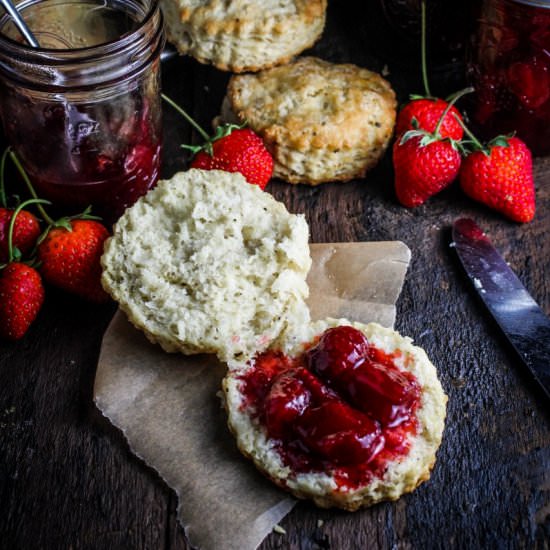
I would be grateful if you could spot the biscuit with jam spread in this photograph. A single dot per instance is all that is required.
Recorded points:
(207, 263)
(342, 413)
(243, 35)
(320, 121)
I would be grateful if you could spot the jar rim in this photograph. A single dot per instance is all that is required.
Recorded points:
(76, 54)
(535, 3)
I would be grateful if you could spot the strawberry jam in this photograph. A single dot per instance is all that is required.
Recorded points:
(510, 70)
(342, 406)
(104, 154)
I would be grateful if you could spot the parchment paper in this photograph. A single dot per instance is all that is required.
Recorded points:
(168, 409)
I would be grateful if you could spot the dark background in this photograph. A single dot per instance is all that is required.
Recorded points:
(68, 480)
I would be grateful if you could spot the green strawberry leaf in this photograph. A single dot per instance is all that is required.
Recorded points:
(427, 139)
(414, 97)
(500, 141)
(411, 134)
(64, 223)
(223, 130)
(86, 215)
(197, 148)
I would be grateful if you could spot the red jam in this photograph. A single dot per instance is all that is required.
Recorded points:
(98, 154)
(510, 70)
(343, 406)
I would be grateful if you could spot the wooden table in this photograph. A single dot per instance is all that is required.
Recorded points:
(68, 480)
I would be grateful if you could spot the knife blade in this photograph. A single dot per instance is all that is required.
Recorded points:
(519, 317)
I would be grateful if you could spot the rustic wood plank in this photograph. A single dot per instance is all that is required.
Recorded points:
(68, 480)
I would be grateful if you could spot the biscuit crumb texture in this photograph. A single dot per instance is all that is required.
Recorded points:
(321, 121)
(243, 35)
(208, 263)
(402, 475)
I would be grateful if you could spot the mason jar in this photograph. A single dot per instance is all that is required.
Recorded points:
(509, 68)
(82, 111)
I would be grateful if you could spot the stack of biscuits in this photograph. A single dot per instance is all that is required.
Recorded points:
(322, 122)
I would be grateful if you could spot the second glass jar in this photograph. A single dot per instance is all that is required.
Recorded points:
(509, 67)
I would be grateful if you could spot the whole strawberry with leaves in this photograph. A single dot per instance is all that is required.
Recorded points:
(424, 163)
(237, 149)
(232, 149)
(21, 289)
(70, 256)
(25, 232)
(500, 175)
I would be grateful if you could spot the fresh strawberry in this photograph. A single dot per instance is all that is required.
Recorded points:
(70, 255)
(21, 290)
(21, 297)
(501, 177)
(233, 149)
(423, 167)
(26, 231)
(240, 150)
(424, 114)
(426, 161)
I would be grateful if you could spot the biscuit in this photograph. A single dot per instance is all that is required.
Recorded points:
(320, 121)
(208, 263)
(398, 475)
(243, 35)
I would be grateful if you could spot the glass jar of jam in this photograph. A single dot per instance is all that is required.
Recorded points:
(510, 70)
(83, 111)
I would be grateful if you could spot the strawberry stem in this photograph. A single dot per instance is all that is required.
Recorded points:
(423, 54)
(11, 250)
(3, 199)
(28, 183)
(204, 135)
(477, 144)
(452, 100)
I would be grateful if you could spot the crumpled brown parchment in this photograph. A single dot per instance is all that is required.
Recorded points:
(168, 409)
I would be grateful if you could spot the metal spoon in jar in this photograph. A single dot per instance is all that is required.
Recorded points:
(20, 24)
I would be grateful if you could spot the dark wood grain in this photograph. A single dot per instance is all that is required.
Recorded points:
(68, 480)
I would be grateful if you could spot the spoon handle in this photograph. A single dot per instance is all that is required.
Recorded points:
(21, 25)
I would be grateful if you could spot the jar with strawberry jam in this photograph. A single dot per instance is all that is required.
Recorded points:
(83, 111)
(510, 69)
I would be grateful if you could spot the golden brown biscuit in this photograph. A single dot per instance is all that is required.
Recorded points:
(321, 122)
(385, 476)
(243, 35)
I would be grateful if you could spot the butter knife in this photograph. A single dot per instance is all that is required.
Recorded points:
(520, 318)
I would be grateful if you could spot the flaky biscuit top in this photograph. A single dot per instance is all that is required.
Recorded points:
(313, 104)
(243, 16)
